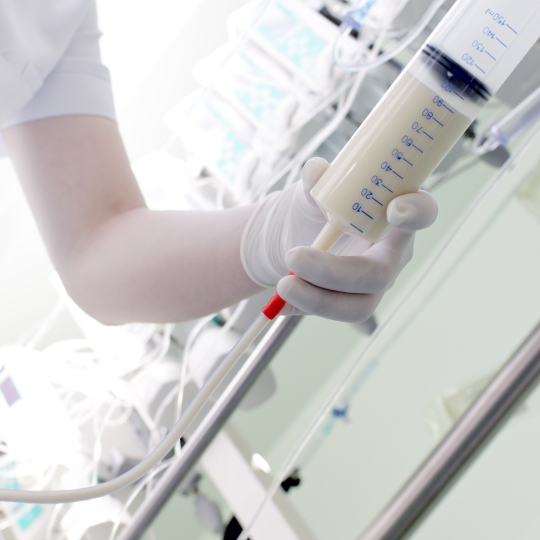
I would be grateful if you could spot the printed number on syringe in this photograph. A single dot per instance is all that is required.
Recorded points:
(369, 195)
(379, 182)
(468, 59)
(478, 46)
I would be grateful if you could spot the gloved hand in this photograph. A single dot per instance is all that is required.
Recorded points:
(345, 284)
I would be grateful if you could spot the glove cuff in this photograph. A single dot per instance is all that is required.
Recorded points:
(254, 252)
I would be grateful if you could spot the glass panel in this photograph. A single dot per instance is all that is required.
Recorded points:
(497, 498)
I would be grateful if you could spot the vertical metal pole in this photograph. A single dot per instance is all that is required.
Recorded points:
(461, 446)
(209, 427)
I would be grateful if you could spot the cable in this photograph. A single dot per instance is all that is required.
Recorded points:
(401, 45)
(98, 431)
(139, 470)
(185, 364)
(314, 143)
(122, 418)
(11, 519)
(167, 400)
(52, 521)
(331, 98)
(134, 494)
(162, 348)
(437, 179)
(228, 325)
(257, 191)
(195, 331)
(16, 511)
(327, 407)
(303, 154)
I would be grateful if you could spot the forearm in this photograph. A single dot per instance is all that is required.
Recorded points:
(159, 266)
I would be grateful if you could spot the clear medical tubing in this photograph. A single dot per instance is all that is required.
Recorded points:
(516, 121)
(146, 465)
(425, 112)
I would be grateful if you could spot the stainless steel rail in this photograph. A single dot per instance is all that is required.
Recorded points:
(459, 448)
(209, 427)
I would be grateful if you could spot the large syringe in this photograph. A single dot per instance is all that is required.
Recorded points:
(462, 64)
(431, 104)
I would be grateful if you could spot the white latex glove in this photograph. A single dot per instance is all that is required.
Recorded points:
(345, 284)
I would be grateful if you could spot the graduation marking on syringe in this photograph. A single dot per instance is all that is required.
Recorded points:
(448, 108)
(421, 151)
(367, 214)
(438, 122)
(511, 28)
(353, 225)
(490, 55)
(501, 42)
(407, 161)
(387, 188)
(396, 175)
(479, 68)
(427, 134)
(374, 199)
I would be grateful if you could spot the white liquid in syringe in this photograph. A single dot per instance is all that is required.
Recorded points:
(392, 153)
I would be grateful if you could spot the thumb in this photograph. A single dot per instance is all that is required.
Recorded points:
(312, 171)
(413, 211)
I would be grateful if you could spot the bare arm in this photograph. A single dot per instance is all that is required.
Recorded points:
(118, 260)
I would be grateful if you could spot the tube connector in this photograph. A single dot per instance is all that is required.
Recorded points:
(329, 235)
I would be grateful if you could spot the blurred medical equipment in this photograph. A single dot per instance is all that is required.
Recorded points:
(515, 122)
(273, 97)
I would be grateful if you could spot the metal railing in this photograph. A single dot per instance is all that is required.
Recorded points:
(461, 446)
(209, 427)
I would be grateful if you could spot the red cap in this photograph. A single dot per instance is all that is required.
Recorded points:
(274, 306)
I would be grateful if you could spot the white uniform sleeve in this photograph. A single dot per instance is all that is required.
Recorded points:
(78, 84)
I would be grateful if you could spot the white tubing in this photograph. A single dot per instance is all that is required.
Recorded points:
(106, 488)
(403, 43)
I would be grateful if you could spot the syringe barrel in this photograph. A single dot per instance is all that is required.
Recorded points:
(425, 112)
(488, 38)
(392, 153)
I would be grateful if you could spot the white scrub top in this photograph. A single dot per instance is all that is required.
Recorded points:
(50, 63)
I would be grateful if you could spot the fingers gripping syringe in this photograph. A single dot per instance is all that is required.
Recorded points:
(461, 65)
